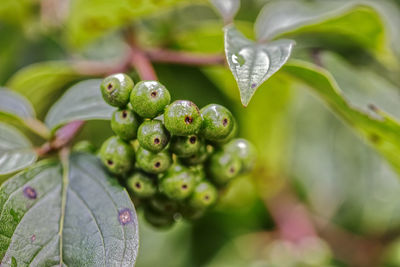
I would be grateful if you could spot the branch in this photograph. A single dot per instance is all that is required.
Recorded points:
(63, 137)
(185, 58)
(142, 64)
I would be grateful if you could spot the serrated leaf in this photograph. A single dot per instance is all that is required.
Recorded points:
(340, 24)
(85, 23)
(253, 63)
(82, 101)
(381, 130)
(69, 214)
(42, 83)
(227, 8)
(16, 152)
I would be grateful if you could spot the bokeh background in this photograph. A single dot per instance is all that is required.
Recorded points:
(319, 196)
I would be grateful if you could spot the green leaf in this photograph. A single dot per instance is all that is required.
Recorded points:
(69, 214)
(380, 130)
(253, 63)
(42, 83)
(341, 24)
(227, 8)
(82, 101)
(16, 152)
(86, 23)
(13, 103)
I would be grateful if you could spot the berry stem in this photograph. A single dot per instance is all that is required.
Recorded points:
(142, 64)
(62, 138)
(185, 58)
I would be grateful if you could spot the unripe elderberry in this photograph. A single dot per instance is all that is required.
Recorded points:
(116, 89)
(185, 146)
(153, 136)
(125, 124)
(153, 162)
(178, 183)
(182, 118)
(117, 156)
(149, 98)
(142, 185)
(217, 123)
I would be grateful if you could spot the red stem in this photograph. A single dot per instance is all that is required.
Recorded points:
(63, 137)
(142, 64)
(185, 58)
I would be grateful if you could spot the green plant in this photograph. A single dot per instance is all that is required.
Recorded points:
(63, 207)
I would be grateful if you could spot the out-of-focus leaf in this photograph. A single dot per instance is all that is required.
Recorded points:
(381, 130)
(85, 23)
(82, 101)
(337, 23)
(16, 152)
(42, 83)
(70, 214)
(227, 8)
(16, 11)
(253, 63)
(361, 86)
(13, 103)
(343, 179)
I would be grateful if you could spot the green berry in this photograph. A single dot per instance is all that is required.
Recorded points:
(185, 146)
(244, 150)
(218, 122)
(153, 162)
(228, 138)
(158, 220)
(223, 167)
(116, 89)
(153, 136)
(117, 156)
(178, 183)
(190, 213)
(198, 158)
(182, 118)
(142, 185)
(162, 204)
(125, 123)
(149, 98)
(84, 146)
(204, 195)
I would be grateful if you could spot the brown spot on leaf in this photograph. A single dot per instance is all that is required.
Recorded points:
(125, 216)
(30, 193)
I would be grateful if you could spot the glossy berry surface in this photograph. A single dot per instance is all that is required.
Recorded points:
(178, 183)
(182, 118)
(204, 195)
(198, 158)
(217, 123)
(116, 89)
(185, 146)
(153, 136)
(223, 167)
(149, 99)
(244, 150)
(153, 162)
(142, 185)
(117, 156)
(125, 124)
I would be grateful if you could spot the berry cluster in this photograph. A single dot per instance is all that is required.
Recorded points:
(172, 157)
